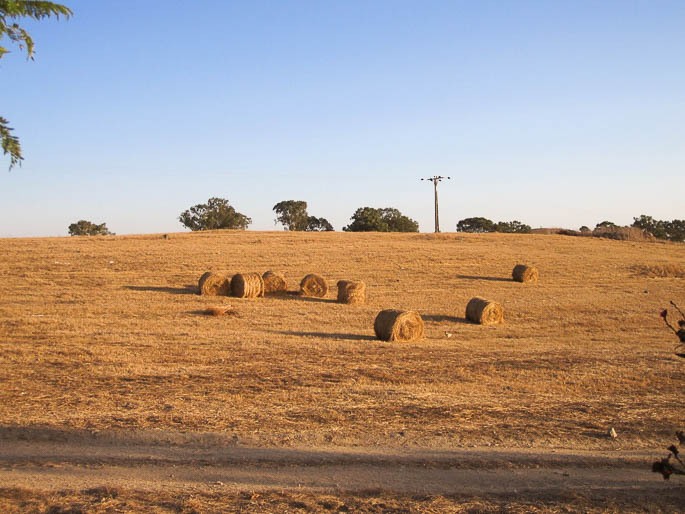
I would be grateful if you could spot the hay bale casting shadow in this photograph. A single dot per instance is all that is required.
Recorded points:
(523, 273)
(314, 285)
(396, 325)
(485, 312)
(351, 292)
(214, 284)
(274, 282)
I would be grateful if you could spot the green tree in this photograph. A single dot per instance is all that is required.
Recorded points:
(87, 228)
(368, 219)
(315, 224)
(397, 222)
(213, 215)
(675, 229)
(477, 225)
(292, 214)
(10, 12)
(512, 227)
(605, 224)
(655, 227)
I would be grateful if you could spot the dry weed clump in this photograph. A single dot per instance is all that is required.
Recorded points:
(351, 292)
(220, 310)
(396, 325)
(214, 284)
(274, 282)
(662, 270)
(247, 285)
(485, 312)
(523, 273)
(314, 285)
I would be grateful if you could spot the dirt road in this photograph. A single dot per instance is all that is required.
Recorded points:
(191, 464)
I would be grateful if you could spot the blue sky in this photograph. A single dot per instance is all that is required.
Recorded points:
(551, 113)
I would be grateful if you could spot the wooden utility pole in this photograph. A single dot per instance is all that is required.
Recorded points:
(435, 181)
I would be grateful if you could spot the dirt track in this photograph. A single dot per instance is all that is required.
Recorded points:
(187, 464)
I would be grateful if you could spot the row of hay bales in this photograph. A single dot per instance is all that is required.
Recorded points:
(389, 325)
(395, 325)
(254, 285)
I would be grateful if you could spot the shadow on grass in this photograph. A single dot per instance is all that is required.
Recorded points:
(442, 318)
(295, 295)
(326, 335)
(491, 279)
(208, 314)
(173, 290)
(599, 434)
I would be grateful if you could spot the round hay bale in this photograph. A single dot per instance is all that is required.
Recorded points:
(351, 292)
(314, 285)
(274, 282)
(214, 284)
(523, 273)
(395, 325)
(247, 285)
(485, 312)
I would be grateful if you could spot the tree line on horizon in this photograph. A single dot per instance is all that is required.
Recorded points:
(218, 214)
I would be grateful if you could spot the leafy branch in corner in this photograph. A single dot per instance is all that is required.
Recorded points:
(666, 466)
(679, 332)
(10, 12)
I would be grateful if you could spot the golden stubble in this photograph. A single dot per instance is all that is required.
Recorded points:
(109, 333)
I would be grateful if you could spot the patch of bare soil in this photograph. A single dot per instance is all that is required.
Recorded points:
(173, 472)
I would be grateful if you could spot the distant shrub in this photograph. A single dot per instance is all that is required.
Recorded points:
(87, 228)
(480, 225)
(605, 224)
(512, 227)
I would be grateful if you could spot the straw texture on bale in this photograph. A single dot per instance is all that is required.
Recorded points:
(395, 325)
(247, 285)
(351, 292)
(274, 282)
(314, 285)
(214, 284)
(523, 273)
(485, 312)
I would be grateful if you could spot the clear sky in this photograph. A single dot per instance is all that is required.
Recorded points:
(554, 113)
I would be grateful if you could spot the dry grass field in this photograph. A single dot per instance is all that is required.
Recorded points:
(109, 335)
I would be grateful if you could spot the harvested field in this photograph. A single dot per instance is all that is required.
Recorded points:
(108, 334)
